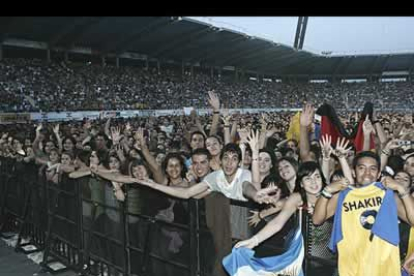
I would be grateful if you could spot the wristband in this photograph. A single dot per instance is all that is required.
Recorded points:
(216, 112)
(326, 194)
(374, 122)
(386, 152)
(339, 154)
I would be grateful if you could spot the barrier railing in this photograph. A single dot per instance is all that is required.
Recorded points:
(80, 224)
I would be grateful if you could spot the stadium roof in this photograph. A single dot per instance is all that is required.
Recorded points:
(188, 40)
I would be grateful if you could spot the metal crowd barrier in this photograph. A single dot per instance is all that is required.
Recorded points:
(80, 224)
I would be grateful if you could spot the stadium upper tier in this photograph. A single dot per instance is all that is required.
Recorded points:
(34, 85)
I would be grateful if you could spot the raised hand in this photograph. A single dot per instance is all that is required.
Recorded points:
(306, 117)
(39, 128)
(254, 219)
(263, 119)
(56, 129)
(116, 135)
(340, 149)
(367, 126)
(326, 146)
(392, 144)
(226, 117)
(269, 195)
(253, 141)
(213, 100)
(139, 137)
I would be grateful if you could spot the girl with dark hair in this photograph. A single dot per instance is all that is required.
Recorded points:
(69, 144)
(214, 145)
(286, 170)
(309, 184)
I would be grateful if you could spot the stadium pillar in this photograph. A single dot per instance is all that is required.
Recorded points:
(1, 51)
(211, 71)
(146, 63)
(236, 74)
(103, 61)
(48, 58)
(158, 66)
(192, 71)
(182, 68)
(117, 62)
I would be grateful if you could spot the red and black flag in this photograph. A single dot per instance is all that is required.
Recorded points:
(332, 125)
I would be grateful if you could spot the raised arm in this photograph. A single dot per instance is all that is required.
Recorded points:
(107, 127)
(386, 151)
(214, 102)
(306, 119)
(367, 129)
(153, 165)
(253, 140)
(36, 142)
(263, 131)
(226, 124)
(58, 138)
(380, 130)
(342, 152)
(326, 155)
(275, 225)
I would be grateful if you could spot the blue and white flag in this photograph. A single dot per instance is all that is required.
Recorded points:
(241, 262)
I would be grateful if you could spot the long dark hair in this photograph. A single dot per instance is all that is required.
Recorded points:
(273, 159)
(177, 156)
(306, 169)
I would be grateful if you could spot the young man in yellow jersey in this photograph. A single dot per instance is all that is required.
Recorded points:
(365, 231)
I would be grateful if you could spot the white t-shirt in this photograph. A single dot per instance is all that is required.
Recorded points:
(217, 181)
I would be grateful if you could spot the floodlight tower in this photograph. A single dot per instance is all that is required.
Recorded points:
(300, 32)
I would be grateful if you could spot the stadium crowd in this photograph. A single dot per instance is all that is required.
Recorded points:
(280, 161)
(35, 85)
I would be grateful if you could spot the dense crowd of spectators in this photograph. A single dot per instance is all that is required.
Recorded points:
(191, 156)
(35, 85)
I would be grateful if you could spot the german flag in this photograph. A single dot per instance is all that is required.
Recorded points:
(331, 125)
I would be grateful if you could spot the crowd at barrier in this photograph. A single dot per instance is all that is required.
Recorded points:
(35, 85)
(172, 195)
